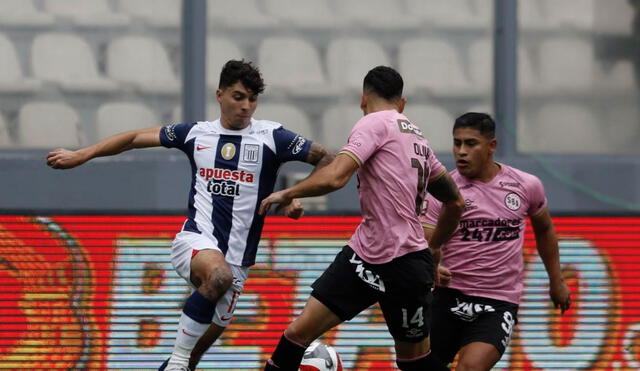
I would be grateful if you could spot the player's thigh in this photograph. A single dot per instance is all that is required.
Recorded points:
(477, 356)
(446, 328)
(406, 302)
(341, 289)
(486, 338)
(194, 256)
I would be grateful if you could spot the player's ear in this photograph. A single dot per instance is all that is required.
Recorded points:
(493, 145)
(401, 104)
(219, 95)
(363, 103)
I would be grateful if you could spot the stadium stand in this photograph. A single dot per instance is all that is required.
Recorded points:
(314, 14)
(23, 13)
(440, 69)
(156, 13)
(337, 123)
(12, 79)
(93, 13)
(219, 51)
(435, 122)
(244, 14)
(292, 118)
(67, 60)
(349, 58)
(5, 139)
(563, 128)
(567, 63)
(447, 13)
(114, 118)
(48, 125)
(142, 62)
(292, 64)
(367, 13)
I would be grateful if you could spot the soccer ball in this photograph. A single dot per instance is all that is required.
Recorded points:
(320, 357)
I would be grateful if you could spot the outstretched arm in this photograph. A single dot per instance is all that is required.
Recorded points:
(65, 159)
(547, 245)
(324, 180)
(319, 156)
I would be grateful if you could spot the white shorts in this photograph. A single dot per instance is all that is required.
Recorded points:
(181, 253)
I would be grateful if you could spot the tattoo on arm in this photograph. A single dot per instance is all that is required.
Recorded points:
(319, 156)
(444, 189)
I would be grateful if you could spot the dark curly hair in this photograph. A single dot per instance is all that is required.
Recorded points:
(249, 75)
(478, 121)
(384, 81)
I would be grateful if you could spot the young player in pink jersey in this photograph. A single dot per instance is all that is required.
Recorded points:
(481, 273)
(386, 260)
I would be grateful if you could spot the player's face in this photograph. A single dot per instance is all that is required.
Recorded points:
(237, 105)
(473, 152)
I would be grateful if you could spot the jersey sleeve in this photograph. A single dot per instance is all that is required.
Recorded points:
(430, 212)
(290, 146)
(175, 135)
(366, 137)
(537, 198)
(437, 169)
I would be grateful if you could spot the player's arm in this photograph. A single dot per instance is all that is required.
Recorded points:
(445, 190)
(324, 180)
(319, 156)
(65, 159)
(547, 245)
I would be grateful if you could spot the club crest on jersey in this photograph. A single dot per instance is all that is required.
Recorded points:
(512, 201)
(409, 128)
(251, 153)
(228, 151)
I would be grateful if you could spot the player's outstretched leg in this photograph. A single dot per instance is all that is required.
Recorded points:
(213, 277)
(314, 321)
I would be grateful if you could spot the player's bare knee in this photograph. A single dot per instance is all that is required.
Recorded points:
(217, 282)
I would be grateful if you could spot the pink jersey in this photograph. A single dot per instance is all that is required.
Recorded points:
(396, 164)
(485, 253)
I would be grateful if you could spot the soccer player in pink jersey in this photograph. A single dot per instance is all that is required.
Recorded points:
(387, 260)
(481, 273)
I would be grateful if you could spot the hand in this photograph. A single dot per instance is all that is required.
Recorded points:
(279, 197)
(560, 295)
(61, 158)
(444, 276)
(294, 210)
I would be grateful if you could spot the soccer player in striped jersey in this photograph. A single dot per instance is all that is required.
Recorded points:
(481, 274)
(386, 260)
(234, 164)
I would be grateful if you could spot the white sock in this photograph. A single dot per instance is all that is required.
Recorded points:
(189, 331)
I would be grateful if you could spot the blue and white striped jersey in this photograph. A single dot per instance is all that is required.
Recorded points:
(232, 172)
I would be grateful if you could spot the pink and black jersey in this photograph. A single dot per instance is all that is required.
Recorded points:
(396, 164)
(232, 171)
(485, 253)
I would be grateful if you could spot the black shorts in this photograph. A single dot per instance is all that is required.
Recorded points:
(402, 287)
(460, 319)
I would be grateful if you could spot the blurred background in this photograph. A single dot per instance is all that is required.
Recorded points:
(81, 292)
(560, 76)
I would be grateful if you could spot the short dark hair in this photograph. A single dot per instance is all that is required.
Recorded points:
(239, 70)
(478, 121)
(384, 81)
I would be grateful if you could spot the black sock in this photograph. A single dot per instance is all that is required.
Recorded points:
(286, 357)
(428, 362)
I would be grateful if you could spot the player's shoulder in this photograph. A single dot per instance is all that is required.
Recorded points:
(262, 125)
(516, 177)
